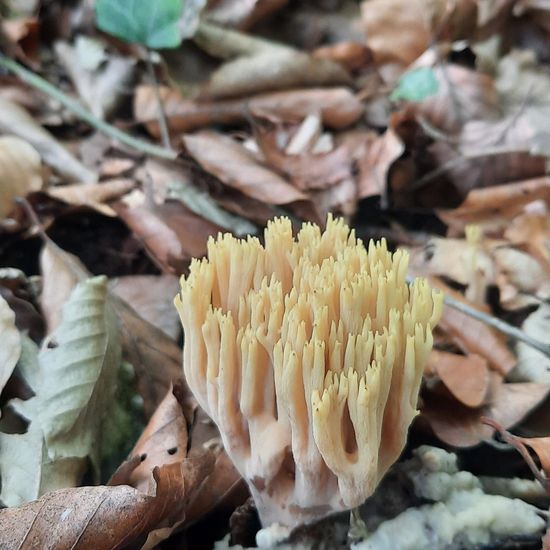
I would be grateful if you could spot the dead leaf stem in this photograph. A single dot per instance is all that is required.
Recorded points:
(75, 107)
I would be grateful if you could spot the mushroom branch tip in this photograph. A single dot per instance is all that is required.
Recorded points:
(308, 354)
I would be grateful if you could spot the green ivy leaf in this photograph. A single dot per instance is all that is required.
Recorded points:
(152, 23)
(416, 85)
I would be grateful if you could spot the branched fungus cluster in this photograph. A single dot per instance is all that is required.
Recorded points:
(308, 354)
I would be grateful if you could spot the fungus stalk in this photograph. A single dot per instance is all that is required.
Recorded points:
(308, 354)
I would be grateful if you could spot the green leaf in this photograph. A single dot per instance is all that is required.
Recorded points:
(416, 85)
(79, 367)
(152, 23)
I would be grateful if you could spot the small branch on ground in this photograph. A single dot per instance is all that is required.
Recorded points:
(75, 107)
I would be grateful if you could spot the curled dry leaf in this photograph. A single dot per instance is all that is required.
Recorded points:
(352, 55)
(462, 426)
(20, 171)
(338, 108)
(170, 232)
(15, 120)
(475, 337)
(10, 350)
(165, 439)
(237, 167)
(307, 171)
(494, 207)
(465, 376)
(94, 195)
(104, 518)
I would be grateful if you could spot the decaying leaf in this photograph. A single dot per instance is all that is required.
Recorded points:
(237, 167)
(20, 171)
(81, 357)
(104, 518)
(338, 108)
(165, 439)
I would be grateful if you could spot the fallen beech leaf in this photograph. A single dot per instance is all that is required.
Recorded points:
(352, 55)
(26, 470)
(151, 297)
(307, 171)
(338, 108)
(466, 377)
(462, 95)
(237, 167)
(164, 440)
(81, 358)
(93, 195)
(61, 272)
(11, 342)
(531, 232)
(20, 171)
(170, 232)
(103, 518)
(461, 426)
(374, 165)
(494, 207)
(15, 120)
(398, 32)
(261, 65)
(473, 336)
(155, 356)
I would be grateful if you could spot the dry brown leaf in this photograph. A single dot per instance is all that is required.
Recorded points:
(256, 65)
(152, 297)
(399, 32)
(461, 426)
(15, 120)
(374, 165)
(490, 153)
(531, 231)
(473, 336)
(20, 171)
(307, 171)
(237, 167)
(94, 195)
(338, 108)
(165, 438)
(494, 207)
(61, 272)
(103, 518)
(170, 232)
(462, 95)
(352, 55)
(466, 377)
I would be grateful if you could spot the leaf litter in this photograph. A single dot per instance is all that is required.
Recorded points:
(422, 122)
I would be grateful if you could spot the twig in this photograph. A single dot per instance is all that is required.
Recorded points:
(165, 135)
(501, 326)
(44, 86)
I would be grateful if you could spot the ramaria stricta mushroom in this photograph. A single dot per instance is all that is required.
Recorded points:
(308, 354)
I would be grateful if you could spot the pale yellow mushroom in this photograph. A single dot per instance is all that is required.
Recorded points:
(308, 354)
